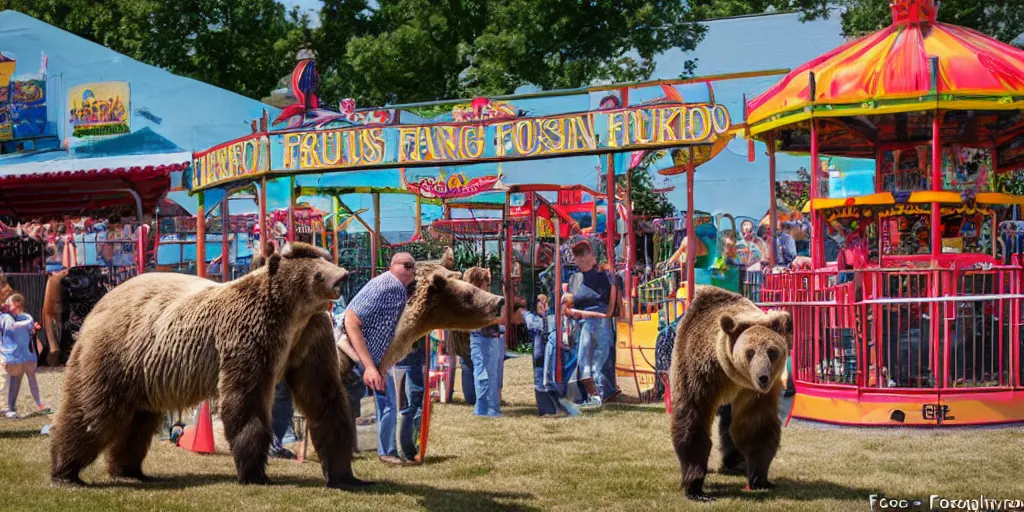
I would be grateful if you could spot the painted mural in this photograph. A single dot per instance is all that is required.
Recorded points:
(99, 109)
(22, 101)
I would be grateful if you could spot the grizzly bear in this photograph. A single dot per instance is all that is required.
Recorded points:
(727, 351)
(161, 342)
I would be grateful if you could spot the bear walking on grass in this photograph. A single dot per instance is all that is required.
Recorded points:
(161, 342)
(727, 351)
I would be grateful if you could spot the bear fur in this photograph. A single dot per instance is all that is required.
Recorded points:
(162, 341)
(727, 351)
(460, 339)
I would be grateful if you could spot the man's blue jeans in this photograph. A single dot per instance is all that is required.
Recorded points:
(595, 346)
(386, 417)
(488, 354)
(468, 387)
(411, 409)
(281, 413)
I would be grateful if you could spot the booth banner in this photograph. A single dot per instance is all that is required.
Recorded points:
(22, 103)
(28, 107)
(523, 138)
(99, 109)
(452, 186)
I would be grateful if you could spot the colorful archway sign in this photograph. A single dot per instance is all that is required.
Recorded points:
(294, 152)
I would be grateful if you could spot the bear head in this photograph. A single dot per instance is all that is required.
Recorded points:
(306, 268)
(457, 304)
(758, 346)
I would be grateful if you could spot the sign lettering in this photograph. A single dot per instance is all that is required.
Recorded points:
(367, 147)
(247, 156)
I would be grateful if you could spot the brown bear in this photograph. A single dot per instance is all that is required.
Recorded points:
(727, 351)
(162, 342)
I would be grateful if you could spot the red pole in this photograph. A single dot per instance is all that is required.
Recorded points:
(508, 285)
(291, 209)
(773, 212)
(691, 237)
(630, 248)
(225, 249)
(264, 232)
(201, 237)
(817, 237)
(937, 164)
(936, 185)
(610, 216)
(556, 223)
(817, 226)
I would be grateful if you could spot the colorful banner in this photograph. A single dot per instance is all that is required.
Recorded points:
(451, 186)
(6, 126)
(99, 109)
(22, 103)
(28, 107)
(449, 144)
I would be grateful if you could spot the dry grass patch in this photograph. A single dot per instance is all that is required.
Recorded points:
(619, 458)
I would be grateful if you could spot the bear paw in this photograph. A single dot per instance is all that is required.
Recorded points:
(349, 483)
(699, 497)
(759, 486)
(67, 482)
(256, 480)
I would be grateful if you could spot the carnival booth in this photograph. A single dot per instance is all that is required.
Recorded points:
(917, 321)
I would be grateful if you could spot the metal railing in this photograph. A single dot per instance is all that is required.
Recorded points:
(935, 329)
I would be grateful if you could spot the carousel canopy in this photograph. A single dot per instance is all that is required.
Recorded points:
(868, 86)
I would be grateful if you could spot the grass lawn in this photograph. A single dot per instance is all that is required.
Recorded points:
(619, 458)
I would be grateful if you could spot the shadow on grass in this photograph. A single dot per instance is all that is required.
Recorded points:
(438, 459)
(19, 434)
(647, 409)
(432, 498)
(788, 489)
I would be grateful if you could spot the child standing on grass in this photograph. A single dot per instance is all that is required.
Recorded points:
(16, 328)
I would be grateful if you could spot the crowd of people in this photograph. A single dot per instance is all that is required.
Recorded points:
(365, 328)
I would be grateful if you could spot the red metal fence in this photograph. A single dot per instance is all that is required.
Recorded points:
(937, 329)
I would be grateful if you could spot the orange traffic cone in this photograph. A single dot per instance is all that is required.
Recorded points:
(198, 438)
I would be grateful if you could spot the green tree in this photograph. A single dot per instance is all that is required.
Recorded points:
(421, 50)
(240, 45)
(645, 200)
(1003, 20)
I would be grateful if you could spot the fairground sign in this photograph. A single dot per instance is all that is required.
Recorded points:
(448, 144)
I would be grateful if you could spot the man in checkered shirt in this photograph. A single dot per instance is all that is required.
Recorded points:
(370, 321)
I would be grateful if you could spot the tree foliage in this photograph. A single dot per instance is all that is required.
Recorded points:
(393, 51)
(240, 45)
(1003, 20)
(646, 202)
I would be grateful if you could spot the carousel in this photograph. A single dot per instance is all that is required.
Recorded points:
(917, 320)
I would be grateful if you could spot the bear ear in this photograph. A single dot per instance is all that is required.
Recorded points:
(732, 328)
(782, 323)
(438, 281)
(448, 260)
(273, 262)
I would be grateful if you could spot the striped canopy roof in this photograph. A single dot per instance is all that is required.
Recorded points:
(890, 71)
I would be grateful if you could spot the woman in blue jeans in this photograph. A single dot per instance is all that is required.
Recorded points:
(487, 351)
(595, 295)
